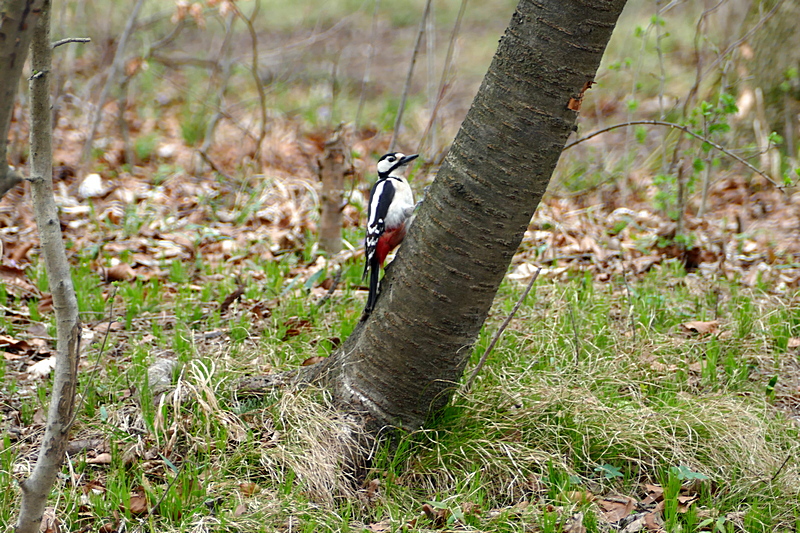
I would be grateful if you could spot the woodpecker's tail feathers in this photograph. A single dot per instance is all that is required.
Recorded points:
(374, 273)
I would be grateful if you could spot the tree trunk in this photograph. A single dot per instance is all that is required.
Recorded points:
(17, 20)
(36, 488)
(403, 362)
(333, 166)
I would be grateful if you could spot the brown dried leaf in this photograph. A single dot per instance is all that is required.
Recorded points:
(49, 522)
(580, 496)
(655, 493)
(313, 360)
(701, 328)
(8, 342)
(794, 342)
(45, 304)
(15, 276)
(232, 297)
(616, 508)
(240, 510)
(102, 327)
(372, 488)
(138, 503)
(381, 527)
(101, 459)
(684, 502)
(119, 272)
(249, 488)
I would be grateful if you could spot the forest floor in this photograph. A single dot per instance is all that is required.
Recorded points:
(650, 382)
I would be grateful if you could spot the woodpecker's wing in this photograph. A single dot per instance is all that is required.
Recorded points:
(380, 199)
(379, 202)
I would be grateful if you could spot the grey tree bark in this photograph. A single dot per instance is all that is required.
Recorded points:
(17, 21)
(334, 165)
(403, 362)
(36, 488)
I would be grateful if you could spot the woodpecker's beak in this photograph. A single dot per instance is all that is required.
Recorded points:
(407, 159)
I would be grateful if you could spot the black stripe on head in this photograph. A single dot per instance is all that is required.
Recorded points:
(393, 161)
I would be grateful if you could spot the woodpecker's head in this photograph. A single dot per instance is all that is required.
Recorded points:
(391, 164)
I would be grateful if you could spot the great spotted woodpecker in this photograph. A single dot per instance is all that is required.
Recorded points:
(391, 204)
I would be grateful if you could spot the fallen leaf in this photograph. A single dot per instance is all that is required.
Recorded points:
(794, 342)
(104, 326)
(381, 527)
(8, 342)
(43, 367)
(15, 276)
(232, 297)
(700, 327)
(249, 488)
(101, 459)
(313, 360)
(655, 493)
(616, 508)
(575, 524)
(138, 502)
(45, 304)
(240, 510)
(49, 522)
(119, 272)
(684, 502)
(580, 496)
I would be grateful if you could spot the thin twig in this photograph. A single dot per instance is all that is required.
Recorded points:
(398, 119)
(155, 506)
(744, 37)
(337, 278)
(630, 300)
(96, 366)
(254, 67)
(370, 54)
(61, 42)
(677, 127)
(576, 340)
(116, 65)
(445, 75)
(214, 167)
(500, 331)
(223, 58)
(778, 471)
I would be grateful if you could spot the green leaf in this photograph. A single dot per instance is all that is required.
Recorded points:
(684, 473)
(609, 471)
(774, 138)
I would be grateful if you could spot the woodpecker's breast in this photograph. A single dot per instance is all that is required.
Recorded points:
(402, 204)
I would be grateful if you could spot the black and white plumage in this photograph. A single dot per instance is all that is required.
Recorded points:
(391, 204)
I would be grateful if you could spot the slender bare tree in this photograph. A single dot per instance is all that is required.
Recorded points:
(16, 30)
(402, 363)
(36, 489)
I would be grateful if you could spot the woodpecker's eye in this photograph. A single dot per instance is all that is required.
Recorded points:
(392, 159)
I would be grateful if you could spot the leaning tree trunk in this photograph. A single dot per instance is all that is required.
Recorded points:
(403, 362)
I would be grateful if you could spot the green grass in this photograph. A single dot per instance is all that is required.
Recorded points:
(576, 397)
(593, 388)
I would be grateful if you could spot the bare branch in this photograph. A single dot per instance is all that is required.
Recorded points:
(445, 74)
(370, 54)
(68, 40)
(116, 66)
(399, 118)
(500, 331)
(677, 127)
(254, 68)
